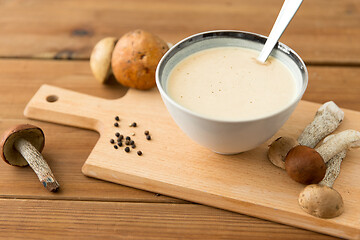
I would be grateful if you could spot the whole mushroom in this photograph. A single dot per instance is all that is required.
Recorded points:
(135, 58)
(21, 146)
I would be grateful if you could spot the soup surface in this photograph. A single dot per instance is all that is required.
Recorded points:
(227, 83)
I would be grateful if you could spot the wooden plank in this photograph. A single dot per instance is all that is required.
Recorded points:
(340, 84)
(322, 32)
(36, 219)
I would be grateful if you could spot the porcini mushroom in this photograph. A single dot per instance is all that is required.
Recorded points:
(306, 165)
(21, 146)
(135, 58)
(327, 118)
(100, 59)
(321, 200)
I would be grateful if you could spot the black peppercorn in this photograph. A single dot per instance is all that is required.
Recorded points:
(127, 138)
(117, 118)
(133, 146)
(148, 137)
(116, 124)
(118, 140)
(146, 132)
(127, 142)
(120, 144)
(117, 134)
(127, 149)
(139, 153)
(121, 137)
(112, 141)
(132, 142)
(133, 124)
(115, 146)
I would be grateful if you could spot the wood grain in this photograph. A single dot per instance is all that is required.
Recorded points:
(323, 31)
(175, 166)
(31, 219)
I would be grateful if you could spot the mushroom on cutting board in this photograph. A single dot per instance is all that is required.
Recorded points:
(307, 165)
(321, 200)
(21, 146)
(327, 118)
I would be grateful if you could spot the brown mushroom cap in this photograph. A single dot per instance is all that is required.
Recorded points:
(31, 133)
(321, 201)
(278, 150)
(305, 165)
(135, 58)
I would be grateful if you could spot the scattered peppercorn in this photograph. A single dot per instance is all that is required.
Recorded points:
(117, 118)
(127, 149)
(132, 142)
(120, 144)
(146, 132)
(117, 134)
(121, 137)
(118, 140)
(112, 141)
(133, 146)
(133, 124)
(148, 137)
(116, 124)
(139, 153)
(127, 138)
(115, 146)
(127, 142)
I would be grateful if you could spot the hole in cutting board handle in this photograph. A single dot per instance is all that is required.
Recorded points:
(52, 98)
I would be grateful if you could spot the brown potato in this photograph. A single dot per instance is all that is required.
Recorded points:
(135, 59)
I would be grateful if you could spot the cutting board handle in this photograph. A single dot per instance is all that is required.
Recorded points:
(66, 107)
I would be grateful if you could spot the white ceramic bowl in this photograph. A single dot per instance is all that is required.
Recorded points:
(228, 137)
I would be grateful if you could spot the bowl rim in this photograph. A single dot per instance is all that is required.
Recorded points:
(228, 33)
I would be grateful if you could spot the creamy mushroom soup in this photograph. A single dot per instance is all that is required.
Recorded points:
(228, 83)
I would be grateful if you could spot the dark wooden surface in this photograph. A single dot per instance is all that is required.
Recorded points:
(33, 34)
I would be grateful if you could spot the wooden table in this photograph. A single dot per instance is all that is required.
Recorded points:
(50, 42)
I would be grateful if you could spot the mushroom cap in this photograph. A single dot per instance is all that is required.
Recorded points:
(305, 165)
(135, 58)
(278, 150)
(100, 59)
(321, 201)
(31, 133)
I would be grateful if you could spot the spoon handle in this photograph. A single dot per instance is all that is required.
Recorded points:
(287, 12)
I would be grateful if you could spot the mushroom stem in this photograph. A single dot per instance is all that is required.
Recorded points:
(327, 118)
(37, 163)
(336, 143)
(333, 169)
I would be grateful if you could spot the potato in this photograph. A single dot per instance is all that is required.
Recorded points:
(135, 58)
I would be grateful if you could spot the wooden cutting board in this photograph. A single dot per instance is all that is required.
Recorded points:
(172, 164)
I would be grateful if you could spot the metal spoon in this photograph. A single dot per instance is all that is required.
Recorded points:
(287, 12)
